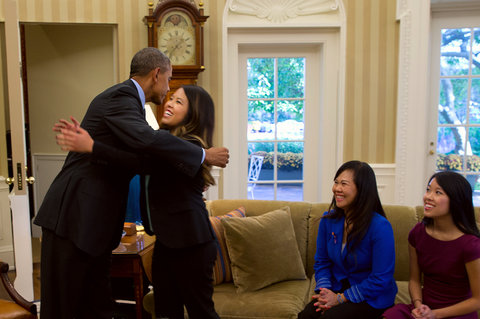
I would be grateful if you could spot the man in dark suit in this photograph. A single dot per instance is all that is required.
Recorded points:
(83, 212)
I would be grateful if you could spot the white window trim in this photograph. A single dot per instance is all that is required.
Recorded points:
(413, 103)
(301, 30)
(413, 92)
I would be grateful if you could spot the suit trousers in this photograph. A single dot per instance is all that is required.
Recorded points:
(74, 283)
(184, 277)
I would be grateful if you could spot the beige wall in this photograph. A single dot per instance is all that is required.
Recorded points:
(371, 72)
(371, 80)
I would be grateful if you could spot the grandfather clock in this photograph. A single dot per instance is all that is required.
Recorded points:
(175, 27)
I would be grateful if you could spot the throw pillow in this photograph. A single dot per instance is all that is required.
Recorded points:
(222, 271)
(263, 250)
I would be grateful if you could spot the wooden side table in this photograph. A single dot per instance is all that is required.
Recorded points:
(133, 259)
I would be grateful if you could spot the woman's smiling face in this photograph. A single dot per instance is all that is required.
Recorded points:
(344, 190)
(176, 109)
(435, 201)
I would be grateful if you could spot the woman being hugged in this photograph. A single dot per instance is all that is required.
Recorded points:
(355, 257)
(172, 204)
(445, 249)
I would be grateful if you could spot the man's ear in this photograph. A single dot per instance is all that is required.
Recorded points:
(154, 74)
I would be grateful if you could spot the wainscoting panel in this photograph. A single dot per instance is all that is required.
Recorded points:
(385, 174)
(45, 169)
(212, 192)
(6, 239)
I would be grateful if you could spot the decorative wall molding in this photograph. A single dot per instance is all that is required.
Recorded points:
(279, 11)
(401, 8)
(413, 100)
(403, 100)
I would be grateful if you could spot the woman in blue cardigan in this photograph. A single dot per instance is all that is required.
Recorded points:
(355, 257)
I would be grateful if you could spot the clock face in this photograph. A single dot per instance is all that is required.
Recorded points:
(176, 38)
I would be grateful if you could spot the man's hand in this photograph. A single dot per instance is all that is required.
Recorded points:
(72, 137)
(217, 156)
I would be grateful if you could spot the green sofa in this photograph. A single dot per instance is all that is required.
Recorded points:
(285, 299)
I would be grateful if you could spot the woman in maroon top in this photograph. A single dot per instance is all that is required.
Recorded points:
(445, 249)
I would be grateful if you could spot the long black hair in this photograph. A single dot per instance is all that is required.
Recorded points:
(364, 206)
(459, 193)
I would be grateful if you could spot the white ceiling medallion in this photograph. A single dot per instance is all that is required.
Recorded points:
(279, 11)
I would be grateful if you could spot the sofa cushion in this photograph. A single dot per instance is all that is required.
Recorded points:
(402, 219)
(299, 212)
(281, 300)
(222, 271)
(263, 250)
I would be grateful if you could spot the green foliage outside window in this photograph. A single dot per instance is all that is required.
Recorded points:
(261, 87)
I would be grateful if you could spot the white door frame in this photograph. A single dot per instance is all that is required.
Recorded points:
(413, 88)
(414, 101)
(441, 20)
(19, 202)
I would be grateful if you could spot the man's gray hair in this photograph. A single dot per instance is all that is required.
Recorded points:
(148, 59)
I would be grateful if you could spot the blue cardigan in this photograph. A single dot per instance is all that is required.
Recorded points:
(369, 269)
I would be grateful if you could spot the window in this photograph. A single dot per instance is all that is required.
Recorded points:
(322, 134)
(458, 126)
(275, 136)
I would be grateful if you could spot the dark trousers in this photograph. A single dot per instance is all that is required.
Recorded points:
(347, 310)
(183, 277)
(73, 283)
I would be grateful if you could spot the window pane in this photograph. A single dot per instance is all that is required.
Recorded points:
(265, 150)
(290, 161)
(261, 125)
(454, 54)
(474, 181)
(476, 51)
(453, 101)
(451, 140)
(262, 191)
(291, 77)
(260, 74)
(290, 120)
(290, 192)
(474, 140)
(452, 162)
(475, 102)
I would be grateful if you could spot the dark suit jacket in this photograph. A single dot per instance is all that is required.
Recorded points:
(175, 211)
(86, 202)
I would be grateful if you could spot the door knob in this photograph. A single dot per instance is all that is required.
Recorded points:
(9, 180)
(30, 180)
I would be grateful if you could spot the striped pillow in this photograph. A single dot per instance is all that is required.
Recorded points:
(222, 271)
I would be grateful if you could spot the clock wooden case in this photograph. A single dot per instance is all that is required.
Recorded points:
(175, 27)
